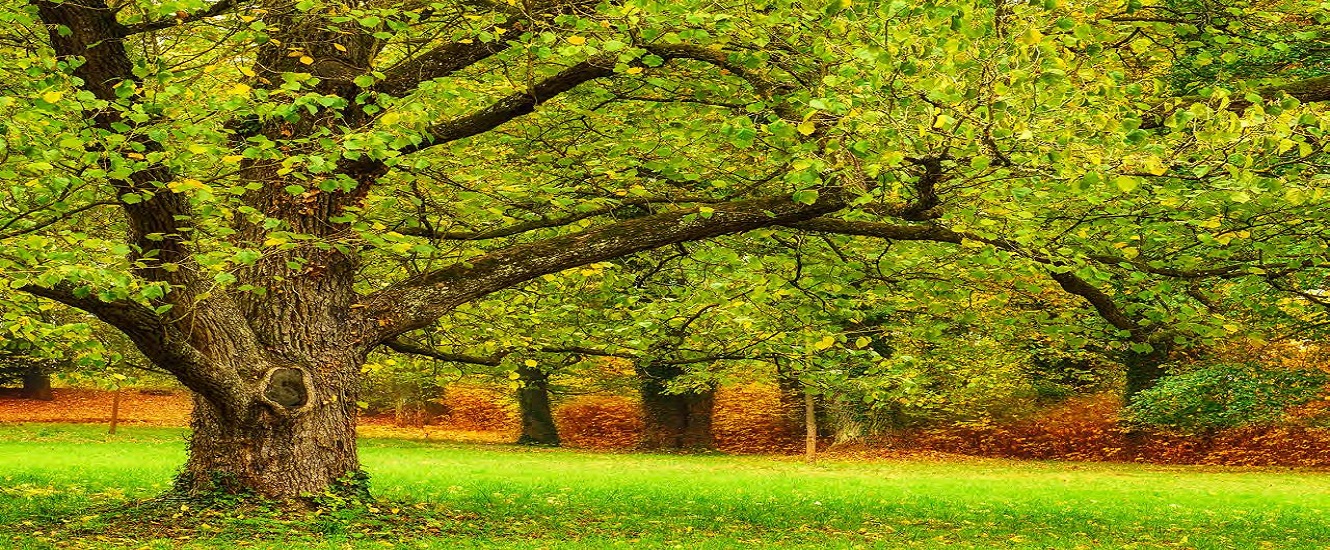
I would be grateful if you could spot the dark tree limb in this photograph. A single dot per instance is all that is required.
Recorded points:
(1310, 90)
(414, 303)
(515, 105)
(400, 346)
(1102, 303)
(546, 223)
(159, 341)
(219, 8)
(404, 77)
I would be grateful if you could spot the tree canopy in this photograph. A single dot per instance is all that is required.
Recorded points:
(259, 194)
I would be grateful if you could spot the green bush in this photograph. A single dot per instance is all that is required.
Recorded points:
(1223, 396)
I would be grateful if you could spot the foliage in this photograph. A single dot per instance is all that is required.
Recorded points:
(240, 187)
(1226, 395)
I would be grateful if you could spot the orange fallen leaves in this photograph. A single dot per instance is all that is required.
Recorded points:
(94, 406)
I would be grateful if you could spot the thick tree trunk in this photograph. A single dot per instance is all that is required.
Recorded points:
(296, 439)
(674, 420)
(534, 399)
(37, 385)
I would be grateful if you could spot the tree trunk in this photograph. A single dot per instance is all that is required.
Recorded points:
(115, 411)
(791, 398)
(37, 385)
(810, 427)
(1143, 371)
(534, 398)
(304, 447)
(674, 420)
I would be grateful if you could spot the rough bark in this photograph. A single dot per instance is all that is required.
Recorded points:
(37, 385)
(534, 399)
(674, 420)
(298, 439)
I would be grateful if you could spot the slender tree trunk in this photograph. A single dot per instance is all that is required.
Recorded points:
(810, 426)
(37, 385)
(534, 399)
(115, 411)
(674, 420)
(791, 398)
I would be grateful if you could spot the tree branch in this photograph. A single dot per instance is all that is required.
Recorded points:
(1102, 303)
(399, 346)
(415, 302)
(406, 76)
(157, 339)
(515, 105)
(222, 6)
(545, 223)
(1310, 90)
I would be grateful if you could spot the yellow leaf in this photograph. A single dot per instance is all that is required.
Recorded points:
(825, 343)
(1154, 165)
(530, 363)
(52, 96)
(306, 59)
(135, 156)
(233, 159)
(807, 127)
(240, 89)
(634, 70)
(576, 40)
(339, 47)
(1030, 37)
(247, 71)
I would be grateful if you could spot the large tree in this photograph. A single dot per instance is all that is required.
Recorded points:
(260, 193)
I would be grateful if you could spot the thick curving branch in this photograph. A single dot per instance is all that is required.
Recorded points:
(515, 105)
(1310, 90)
(158, 339)
(219, 8)
(414, 303)
(404, 77)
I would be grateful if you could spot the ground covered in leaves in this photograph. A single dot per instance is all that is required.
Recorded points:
(74, 486)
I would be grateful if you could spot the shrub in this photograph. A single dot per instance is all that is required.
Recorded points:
(1225, 395)
(478, 409)
(750, 419)
(600, 422)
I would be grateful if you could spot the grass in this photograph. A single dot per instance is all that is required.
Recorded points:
(61, 484)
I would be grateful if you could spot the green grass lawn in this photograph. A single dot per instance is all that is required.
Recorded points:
(65, 481)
